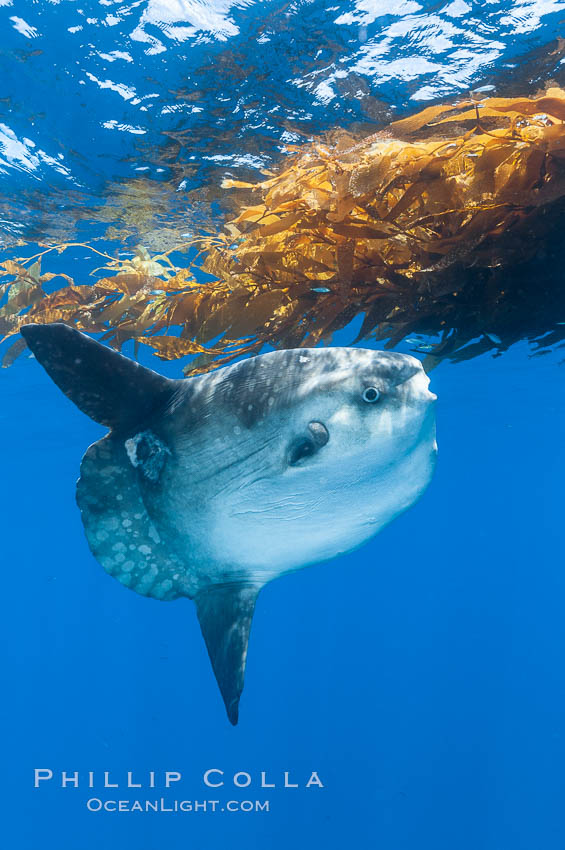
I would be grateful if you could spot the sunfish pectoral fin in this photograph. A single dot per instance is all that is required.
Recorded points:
(225, 613)
(108, 387)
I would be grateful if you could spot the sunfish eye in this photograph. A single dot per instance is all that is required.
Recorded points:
(371, 395)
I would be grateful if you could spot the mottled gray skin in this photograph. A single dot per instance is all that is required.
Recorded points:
(226, 505)
(211, 487)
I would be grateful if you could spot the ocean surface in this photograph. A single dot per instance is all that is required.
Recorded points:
(422, 677)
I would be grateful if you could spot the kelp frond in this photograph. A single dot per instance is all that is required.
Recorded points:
(445, 222)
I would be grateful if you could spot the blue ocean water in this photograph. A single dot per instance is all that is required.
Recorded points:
(422, 676)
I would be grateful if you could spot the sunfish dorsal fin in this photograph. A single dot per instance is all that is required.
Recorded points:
(108, 387)
(225, 613)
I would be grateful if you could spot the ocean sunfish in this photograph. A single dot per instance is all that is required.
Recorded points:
(210, 487)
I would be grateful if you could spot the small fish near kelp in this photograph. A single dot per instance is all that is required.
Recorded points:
(211, 487)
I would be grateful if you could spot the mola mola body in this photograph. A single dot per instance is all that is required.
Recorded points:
(210, 487)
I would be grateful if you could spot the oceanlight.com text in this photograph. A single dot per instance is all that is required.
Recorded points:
(95, 804)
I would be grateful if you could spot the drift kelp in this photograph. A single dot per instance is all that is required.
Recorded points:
(445, 222)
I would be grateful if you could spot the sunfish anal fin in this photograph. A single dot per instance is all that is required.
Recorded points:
(225, 613)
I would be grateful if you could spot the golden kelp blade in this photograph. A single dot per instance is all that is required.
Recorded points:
(426, 226)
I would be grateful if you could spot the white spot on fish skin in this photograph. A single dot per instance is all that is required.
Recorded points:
(154, 534)
(144, 549)
(102, 536)
(126, 523)
(162, 589)
(303, 359)
(119, 558)
(127, 566)
(119, 497)
(236, 430)
(147, 579)
(119, 547)
(250, 407)
(271, 401)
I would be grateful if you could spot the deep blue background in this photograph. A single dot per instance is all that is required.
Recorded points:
(423, 677)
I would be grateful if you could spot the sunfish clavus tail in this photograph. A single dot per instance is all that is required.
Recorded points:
(210, 487)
